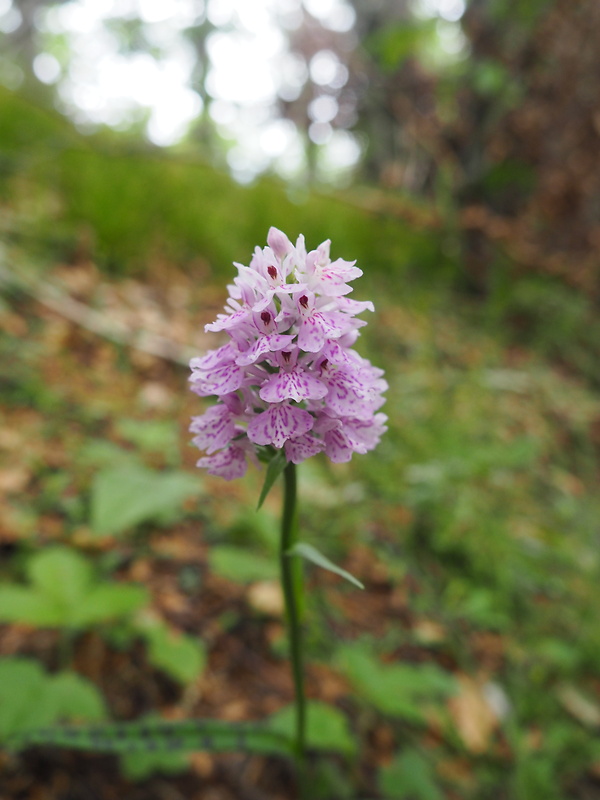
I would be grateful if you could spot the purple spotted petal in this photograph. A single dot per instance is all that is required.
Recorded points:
(344, 392)
(278, 424)
(295, 385)
(311, 336)
(227, 322)
(262, 346)
(317, 328)
(354, 306)
(214, 429)
(342, 356)
(229, 463)
(337, 446)
(332, 279)
(224, 380)
(302, 447)
(214, 358)
(364, 435)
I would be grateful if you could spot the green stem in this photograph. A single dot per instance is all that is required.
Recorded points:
(291, 579)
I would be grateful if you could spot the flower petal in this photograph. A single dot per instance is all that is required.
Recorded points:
(337, 446)
(229, 463)
(294, 385)
(263, 345)
(278, 424)
(279, 242)
(224, 380)
(214, 429)
(302, 447)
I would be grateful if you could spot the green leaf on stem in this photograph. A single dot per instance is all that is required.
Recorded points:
(276, 466)
(311, 553)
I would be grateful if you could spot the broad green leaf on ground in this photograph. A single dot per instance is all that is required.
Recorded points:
(181, 656)
(75, 697)
(123, 497)
(410, 776)
(104, 453)
(326, 727)
(241, 565)
(25, 605)
(109, 601)
(311, 554)
(24, 698)
(64, 592)
(61, 574)
(31, 699)
(139, 766)
(400, 690)
(152, 436)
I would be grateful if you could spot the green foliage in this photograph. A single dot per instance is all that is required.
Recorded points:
(394, 44)
(310, 553)
(328, 779)
(241, 565)
(139, 766)
(180, 656)
(326, 727)
(64, 592)
(30, 698)
(275, 467)
(409, 777)
(125, 496)
(95, 185)
(398, 690)
(103, 453)
(152, 436)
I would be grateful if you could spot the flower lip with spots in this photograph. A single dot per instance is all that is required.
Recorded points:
(288, 376)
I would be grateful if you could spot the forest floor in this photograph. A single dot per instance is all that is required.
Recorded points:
(457, 527)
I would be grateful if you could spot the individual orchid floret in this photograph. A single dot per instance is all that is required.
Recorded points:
(280, 422)
(279, 243)
(288, 379)
(293, 381)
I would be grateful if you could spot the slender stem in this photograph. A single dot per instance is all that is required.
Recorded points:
(291, 579)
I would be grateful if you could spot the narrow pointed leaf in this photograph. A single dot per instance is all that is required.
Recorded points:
(311, 553)
(276, 466)
(158, 736)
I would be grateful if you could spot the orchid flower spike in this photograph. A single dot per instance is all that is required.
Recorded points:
(288, 376)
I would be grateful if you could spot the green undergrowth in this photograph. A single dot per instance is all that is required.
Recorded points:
(478, 510)
(66, 194)
(473, 526)
(67, 190)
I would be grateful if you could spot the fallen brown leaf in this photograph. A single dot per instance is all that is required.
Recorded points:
(472, 714)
